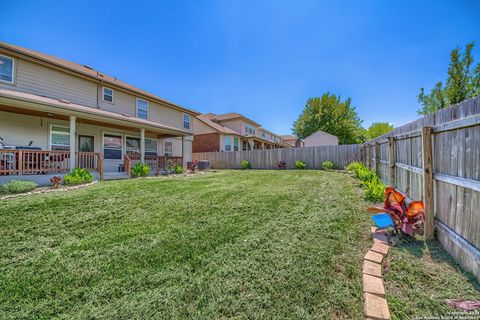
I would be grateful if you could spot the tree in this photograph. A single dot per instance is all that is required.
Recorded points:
(332, 115)
(463, 82)
(377, 129)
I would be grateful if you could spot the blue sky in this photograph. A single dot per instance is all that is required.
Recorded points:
(259, 58)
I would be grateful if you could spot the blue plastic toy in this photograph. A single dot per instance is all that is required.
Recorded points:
(382, 220)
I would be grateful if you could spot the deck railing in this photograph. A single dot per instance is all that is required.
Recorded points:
(25, 162)
(154, 162)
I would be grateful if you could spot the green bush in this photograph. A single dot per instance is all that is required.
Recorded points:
(140, 170)
(328, 165)
(373, 187)
(17, 186)
(245, 165)
(178, 169)
(300, 165)
(354, 167)
(77, 176)
(374, 190)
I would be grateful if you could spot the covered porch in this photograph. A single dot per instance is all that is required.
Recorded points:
(43, 136)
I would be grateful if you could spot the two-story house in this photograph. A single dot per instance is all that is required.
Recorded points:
(231, 132)
(56, 115)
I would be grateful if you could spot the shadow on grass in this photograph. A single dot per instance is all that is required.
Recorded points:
(433, 249)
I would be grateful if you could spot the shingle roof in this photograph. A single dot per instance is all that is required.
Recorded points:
(229, 116)
(205, 119)
(89, 72)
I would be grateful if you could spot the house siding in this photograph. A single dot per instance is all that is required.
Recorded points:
(41, 80)
(37, 79)
(320, 139)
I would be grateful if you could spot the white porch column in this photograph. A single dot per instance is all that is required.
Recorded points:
(72, 142)
(142, 145)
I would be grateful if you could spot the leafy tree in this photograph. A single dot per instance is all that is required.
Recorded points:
(332, 115)
(377, 129)
(463, 82)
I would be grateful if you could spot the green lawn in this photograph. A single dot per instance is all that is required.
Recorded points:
(232, 244)
(224, 245)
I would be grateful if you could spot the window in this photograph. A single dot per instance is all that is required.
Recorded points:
(59, 138)
(6, 69)
(168, 148)
(263, 134)
(142, 109)
(112, 146)
(186, 121)
(107, 94)
(133, 145)
(228, 143)
(151, 147)
(250, 129)
(235, 144)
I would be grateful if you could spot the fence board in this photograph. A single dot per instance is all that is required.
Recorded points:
(341, 155)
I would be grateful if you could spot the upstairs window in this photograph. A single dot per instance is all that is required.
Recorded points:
(250, 129)
(107, 94)
(6, 69)
(186, 121)
(142, 109)
(59, 138)
(168, 148)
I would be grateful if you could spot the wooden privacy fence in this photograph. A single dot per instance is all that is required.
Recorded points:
(437, 159)
(267, 159)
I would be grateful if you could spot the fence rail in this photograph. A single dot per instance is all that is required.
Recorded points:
(437, 158)
(267, 159)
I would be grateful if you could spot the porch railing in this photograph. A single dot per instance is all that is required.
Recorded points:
(154, 162)
(25, 162)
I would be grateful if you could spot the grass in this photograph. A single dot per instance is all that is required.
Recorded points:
(421, 276)
(231, 244)
(224, 245)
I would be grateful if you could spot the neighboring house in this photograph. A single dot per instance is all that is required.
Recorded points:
(292, 141)
(320, 138)
(56, 115)
(231, 132)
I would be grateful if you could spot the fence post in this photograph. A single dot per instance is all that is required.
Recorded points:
(377, 159)
(391, 161)
(428, 182)
(20, 162)
(362, 154)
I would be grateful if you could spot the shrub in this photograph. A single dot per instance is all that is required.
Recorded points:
(328, 165)
(18, 186)
(354, 167)
(170, 167)
(140, 170)
(178, 169)
(300, 165)
(245, 165)
(77, 176)
(374, 190)
(373, 187)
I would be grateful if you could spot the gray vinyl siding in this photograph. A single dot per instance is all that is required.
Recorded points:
(40, 80)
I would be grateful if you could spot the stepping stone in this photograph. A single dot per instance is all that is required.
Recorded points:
(379, 237)
(373, 256)
(380, 247)
(372, 268)
(373, 285)
(376, 307)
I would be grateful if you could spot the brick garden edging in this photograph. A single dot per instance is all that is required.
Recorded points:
(375, 304)
(9, 196)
